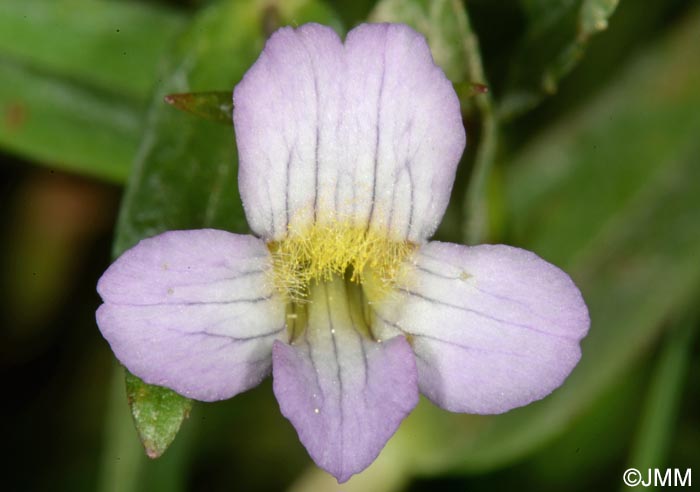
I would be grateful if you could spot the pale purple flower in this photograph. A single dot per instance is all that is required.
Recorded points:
(347, 158)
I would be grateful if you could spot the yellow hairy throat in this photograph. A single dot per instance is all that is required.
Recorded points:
(321, 252)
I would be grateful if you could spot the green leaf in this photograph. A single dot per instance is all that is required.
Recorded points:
(612, 197)
(157, 412)
(121, 457)
(477, 209)
(556, 39)
(113, 46)
(184, 175)
(123, 465)
(66, 125)
(664, 397)
(75, 76)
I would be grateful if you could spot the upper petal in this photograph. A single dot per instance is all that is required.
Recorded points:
(369, 132)
(193, 311)
(493, 327)
(344, 393)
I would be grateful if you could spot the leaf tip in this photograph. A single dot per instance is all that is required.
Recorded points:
(480, 88)
(153, 452)
(214, 106)
(177, 100)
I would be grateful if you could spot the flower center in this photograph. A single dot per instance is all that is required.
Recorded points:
(323, 258)
(335, 249)
(336, 305)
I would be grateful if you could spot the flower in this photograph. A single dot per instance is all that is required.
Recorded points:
(347, 155)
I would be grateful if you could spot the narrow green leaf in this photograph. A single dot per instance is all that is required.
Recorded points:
(75, 76)
(66, 125)
(663, 399)
(184, 174)
(122, 457)
(214, 106)
(611, 197)
(477, 208)
(556, 38)
(114, 46)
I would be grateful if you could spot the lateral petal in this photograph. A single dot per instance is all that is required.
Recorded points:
(493, 327)
(193, 311)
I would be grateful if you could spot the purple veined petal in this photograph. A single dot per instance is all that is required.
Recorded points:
(344, 393)
(493, 327)
(193, 311)
(368, 132)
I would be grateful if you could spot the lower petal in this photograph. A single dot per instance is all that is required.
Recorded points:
(493, 327)
(345, 393)
(193, 311)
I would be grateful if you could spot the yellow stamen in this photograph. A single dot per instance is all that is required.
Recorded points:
(322, 251)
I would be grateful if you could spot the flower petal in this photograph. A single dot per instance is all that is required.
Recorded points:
(369, 132)
(193, 311)
(344, 393)
(493, 327)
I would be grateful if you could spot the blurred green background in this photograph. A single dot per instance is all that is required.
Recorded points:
(586, 149)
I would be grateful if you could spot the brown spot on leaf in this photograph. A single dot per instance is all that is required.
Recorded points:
(15, 116)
